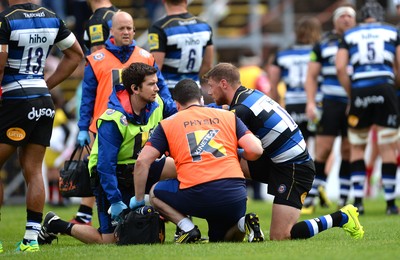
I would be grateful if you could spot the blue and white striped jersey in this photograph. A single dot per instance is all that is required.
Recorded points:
(281, 138)
(293, 63)
(324, 53)
(183, 38)
(29, 31)
(372, 49)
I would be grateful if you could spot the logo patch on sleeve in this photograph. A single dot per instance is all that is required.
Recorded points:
(154, 42)
(96, 33)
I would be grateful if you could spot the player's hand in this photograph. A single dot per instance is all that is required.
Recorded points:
(116, 209)
(83, 138)
(134, 204)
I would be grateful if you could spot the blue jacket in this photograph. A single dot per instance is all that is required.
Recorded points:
(89, 85)
(109, 140)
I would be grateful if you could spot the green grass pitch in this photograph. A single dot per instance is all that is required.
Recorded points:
(381, 240)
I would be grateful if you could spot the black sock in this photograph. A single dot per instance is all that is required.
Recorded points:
(304, 229)
(390, 203)
(358, 201)
(389, 171)
(85, 209)
(344, 181)
(358, 177)
(32, 216)
(320, 170)
(60, 226)
(84, 214)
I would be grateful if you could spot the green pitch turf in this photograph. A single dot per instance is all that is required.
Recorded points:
(381, 240)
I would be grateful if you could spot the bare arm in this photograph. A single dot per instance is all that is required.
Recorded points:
(159, 58)
(396, 67)
(274, 74)
(311, 87)
(342, 60)
(96, 48)
(252, 147)
(146, 157)
(3, 60)
(207, 62)
(71, 59)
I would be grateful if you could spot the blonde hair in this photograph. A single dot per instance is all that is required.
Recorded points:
(308, 30)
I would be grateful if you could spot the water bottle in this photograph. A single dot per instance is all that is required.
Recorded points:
(312, 124)
(145, 210)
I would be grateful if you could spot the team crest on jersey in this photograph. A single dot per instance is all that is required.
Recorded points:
(154, 42)
(144, 53)
(16, 134)
(282, 188)
(123, 120)
(98, 56)
(110, 111)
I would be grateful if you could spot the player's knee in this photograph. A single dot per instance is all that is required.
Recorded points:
(388, 135)
(345, 148)
(357, 138)
(323, 154)
(278, 236)
(279, 233)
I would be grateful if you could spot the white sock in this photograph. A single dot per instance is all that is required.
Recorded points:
(32, 230)
(240, 225)
(84, 217)
(186, 224)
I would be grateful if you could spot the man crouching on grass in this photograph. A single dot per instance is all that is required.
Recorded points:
(134, 110)
(205, 144)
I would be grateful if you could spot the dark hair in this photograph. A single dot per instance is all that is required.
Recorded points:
(372, 9)
(174, 2)
(225, 71)
(186, 91)
(135, 74)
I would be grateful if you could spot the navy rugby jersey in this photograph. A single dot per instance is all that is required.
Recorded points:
(98, 27)
(183, 38)
(30, 31)
(372, 50)
(281, 138)
(293, 63)
(324, 53)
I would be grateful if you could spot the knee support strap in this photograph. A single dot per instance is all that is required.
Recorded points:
(357, 138)
(388, 135)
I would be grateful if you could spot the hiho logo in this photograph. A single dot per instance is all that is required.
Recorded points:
(36, 38)
(191, 41)
(36, 114)
(16, 134)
